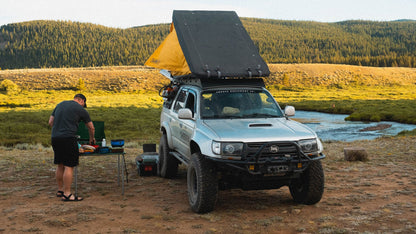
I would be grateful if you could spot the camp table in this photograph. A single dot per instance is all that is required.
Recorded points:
(99, 136)
(121, 169)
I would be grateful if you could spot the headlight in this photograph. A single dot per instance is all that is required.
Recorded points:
(227, 148)
(309, 146)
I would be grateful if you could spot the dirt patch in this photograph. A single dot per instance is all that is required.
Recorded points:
(374, 196)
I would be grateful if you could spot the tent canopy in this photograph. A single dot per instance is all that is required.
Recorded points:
(208, 44)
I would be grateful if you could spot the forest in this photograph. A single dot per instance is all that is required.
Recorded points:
(55, 44)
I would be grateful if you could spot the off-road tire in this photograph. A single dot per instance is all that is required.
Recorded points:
(202, 184)
(168, 165)
(308, 189)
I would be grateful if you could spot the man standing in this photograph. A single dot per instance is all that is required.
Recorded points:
(64, 121)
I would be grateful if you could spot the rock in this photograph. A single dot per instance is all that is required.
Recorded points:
(355, 154)
(376, 128)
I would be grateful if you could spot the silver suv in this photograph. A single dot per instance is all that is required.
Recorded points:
(231, 133)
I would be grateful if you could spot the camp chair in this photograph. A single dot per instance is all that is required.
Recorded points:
(84, 136)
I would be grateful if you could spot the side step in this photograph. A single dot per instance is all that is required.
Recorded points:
(180, 157)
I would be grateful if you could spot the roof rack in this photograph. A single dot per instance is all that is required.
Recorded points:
(221, 82)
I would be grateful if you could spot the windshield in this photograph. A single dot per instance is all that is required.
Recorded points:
(238, 103)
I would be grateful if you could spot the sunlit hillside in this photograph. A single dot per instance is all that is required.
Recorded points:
(136, 78)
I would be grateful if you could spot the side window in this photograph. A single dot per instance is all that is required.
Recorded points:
(180, 101)
(190, 103)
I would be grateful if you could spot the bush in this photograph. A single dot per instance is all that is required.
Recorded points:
(353, 117)
(81, 85)
(9, 87)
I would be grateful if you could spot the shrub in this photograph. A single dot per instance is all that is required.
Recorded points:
(9, 87)
(353, 117)
(81, 85)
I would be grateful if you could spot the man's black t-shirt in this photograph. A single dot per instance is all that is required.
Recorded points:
(67, 116)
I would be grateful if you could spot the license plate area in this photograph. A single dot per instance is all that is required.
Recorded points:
(278, 169)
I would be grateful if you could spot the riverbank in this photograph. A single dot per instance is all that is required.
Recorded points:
(373, 196)
(334, 127)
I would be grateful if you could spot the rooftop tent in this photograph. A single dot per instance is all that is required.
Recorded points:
(208, 44)
(169, 56)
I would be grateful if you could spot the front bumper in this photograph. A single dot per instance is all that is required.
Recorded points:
(259, 160)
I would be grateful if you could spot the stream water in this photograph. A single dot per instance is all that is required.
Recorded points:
(334, 127)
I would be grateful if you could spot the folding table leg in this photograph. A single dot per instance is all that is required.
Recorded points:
(118, 170)
(125, 169)
(76, 181)
(122, 176)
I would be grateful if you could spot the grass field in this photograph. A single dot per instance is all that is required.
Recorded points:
(126, 98)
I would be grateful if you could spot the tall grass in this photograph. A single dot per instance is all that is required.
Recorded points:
(369, 94)
(130, 116)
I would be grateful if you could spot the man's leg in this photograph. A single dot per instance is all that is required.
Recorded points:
(67, 179)
(68, 176)
(60, 177)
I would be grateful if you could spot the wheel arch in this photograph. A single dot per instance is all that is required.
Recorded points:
(164, 129)
(194, 147)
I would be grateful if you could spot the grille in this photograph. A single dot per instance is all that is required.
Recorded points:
(269, 151)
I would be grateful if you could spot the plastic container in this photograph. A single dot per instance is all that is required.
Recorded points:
(103, 150)
(117, 143)
(103, 143)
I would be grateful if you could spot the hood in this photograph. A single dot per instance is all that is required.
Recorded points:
(258, 130)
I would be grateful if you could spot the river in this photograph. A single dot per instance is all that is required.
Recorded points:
(333, 127)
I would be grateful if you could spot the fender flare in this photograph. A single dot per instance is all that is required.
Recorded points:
(165, 129)
(203, 142)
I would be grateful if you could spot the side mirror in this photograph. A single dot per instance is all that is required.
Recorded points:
(289, 111)
(185, 113)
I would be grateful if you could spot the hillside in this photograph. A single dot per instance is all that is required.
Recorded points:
(46, 44)
(135, 78)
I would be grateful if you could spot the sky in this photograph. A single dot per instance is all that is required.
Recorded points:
(132, 13)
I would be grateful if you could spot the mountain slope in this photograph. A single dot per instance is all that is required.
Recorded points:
(37, 44)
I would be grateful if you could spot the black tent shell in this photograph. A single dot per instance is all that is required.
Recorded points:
(216, 44)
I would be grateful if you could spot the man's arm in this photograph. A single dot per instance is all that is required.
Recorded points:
(91, 131)
(51, 120)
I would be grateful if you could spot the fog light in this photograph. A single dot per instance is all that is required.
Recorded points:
(229, 149)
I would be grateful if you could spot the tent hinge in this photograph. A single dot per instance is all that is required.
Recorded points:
(250, 74)
(259, 70)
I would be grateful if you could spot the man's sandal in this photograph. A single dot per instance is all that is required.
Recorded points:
(59, 193)
(68, 198)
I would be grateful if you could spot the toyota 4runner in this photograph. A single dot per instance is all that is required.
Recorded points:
(231, 133)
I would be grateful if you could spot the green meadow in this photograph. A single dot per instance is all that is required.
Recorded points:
(130, 116)
(133, 115)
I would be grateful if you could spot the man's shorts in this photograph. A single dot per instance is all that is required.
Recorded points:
(66, 151)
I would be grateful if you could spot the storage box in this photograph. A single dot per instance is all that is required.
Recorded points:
(117, 150)
(147, 162)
